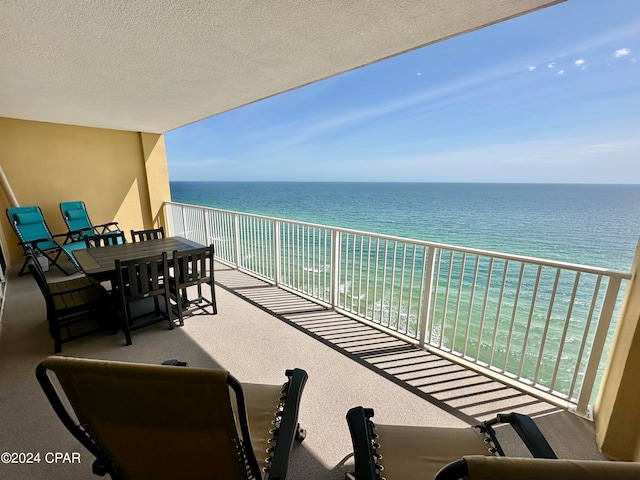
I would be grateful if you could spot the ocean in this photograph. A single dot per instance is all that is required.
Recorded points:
(595, 225)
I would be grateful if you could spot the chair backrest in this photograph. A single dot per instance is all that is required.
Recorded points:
(75, 216)
(105, 239)
(192, 267)
(143, 235)
(28, 223)
(143, 277)
(154, 421)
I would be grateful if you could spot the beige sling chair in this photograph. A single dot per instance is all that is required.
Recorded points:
(168, 422)
(401, 452)
(476, 467)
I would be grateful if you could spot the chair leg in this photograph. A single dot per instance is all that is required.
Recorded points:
(179, 307)
(57, 338)
(24, 267)
(123, 316)
(167, 303)
(214, 305)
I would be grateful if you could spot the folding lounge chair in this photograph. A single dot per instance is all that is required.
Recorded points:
(403, 452)
(34, 234)
(77, 219)
(168, 422)
(476, 467)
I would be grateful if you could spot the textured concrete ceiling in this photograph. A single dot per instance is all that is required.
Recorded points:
(156, 65)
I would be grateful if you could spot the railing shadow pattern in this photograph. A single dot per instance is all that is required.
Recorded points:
(463, 393)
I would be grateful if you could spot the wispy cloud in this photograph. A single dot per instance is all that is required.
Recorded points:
(560, 72)
(623, 52)
(208, 162)
(552, 65)
(579, 63)
(532, 68)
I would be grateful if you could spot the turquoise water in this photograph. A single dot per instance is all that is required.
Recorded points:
(594, 225)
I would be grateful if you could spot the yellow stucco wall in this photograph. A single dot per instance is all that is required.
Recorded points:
(617, 409)
(121, 176)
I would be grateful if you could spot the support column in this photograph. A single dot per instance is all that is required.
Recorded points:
(155, 162)
(617, 409)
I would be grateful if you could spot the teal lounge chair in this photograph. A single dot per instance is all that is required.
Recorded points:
(34, 234)
(77, 219)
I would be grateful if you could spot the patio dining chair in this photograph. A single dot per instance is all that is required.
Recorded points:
(137, 281)
(77, 220)
(193, 268)
(144, 235)
(169, 422)
(105, 239)
(75, 308)
(34, 236)
(402, 452)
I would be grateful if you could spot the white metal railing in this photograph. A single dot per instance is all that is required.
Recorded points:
(540, 324)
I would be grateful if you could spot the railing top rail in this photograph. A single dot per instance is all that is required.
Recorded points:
(474, 251)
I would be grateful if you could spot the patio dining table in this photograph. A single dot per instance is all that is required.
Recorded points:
(100, 262)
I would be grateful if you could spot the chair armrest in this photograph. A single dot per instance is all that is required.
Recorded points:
(288, 424)
(71, 236)
(108, 224)
(33, 243)
(358, 421)
(530, 434)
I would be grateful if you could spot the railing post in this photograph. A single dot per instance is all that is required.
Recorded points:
(207, 237)
(276, 251)
(599, 340)
(335, 267)
(168, 218)
(184, 222)
(236, 231)
(426, 298)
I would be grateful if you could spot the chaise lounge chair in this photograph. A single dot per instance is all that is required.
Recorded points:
(77, 220)
(34, 235)
(169, 422)
(399, 452)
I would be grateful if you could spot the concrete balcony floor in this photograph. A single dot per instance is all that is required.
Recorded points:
(259, 332)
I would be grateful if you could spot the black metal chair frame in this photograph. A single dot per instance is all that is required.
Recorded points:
(71, 302)
(363, 438)
(144, 235)
(193, 268)
(285, 431)
(141, 279)
(105, 239)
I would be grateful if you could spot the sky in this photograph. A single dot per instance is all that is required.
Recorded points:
(548, 97)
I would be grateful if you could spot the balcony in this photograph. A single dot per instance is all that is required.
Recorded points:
(261, 330)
